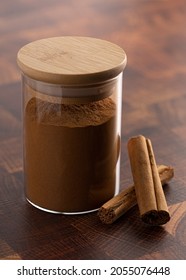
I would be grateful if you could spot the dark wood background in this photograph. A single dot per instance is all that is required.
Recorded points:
(153, 35)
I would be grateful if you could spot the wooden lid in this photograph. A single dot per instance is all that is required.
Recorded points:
(71, 60)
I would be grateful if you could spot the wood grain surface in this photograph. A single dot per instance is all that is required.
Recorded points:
(154, 100)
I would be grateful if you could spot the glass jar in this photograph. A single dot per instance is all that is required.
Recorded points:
(72, 97)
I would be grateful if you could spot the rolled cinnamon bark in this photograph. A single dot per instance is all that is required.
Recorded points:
(126, 199)
(150, 196)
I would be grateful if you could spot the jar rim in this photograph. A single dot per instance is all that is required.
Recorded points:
(71, 94)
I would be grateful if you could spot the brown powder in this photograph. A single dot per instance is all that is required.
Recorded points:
(71, 154)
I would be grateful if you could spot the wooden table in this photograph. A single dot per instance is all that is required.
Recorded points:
(154, 104)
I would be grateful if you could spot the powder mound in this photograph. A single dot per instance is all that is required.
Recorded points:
(71, 115)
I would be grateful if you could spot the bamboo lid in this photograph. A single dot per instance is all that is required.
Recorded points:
(71, 60)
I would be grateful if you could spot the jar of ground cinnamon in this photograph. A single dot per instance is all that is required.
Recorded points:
(72, 96)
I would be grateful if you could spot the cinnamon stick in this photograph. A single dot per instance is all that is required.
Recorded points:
(126, 199)
(150, 196)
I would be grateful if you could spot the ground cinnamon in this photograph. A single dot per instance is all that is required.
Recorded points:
(71, 154)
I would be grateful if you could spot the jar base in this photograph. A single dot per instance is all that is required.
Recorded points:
(61, 212)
